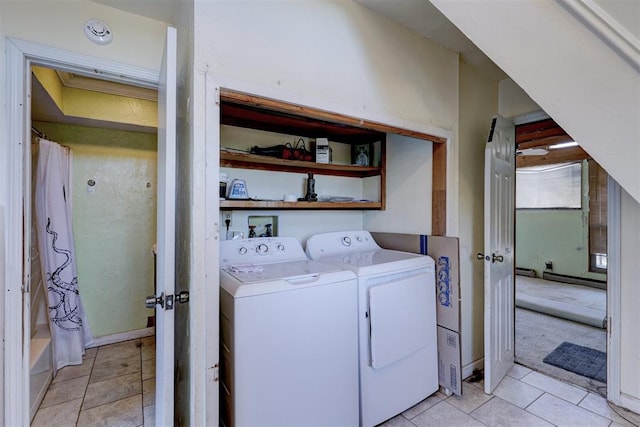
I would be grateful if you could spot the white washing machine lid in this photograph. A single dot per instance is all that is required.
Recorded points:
(379, 261)
(246, 280)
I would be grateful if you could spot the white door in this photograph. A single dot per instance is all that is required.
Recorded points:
(165, 278)
(498, 257)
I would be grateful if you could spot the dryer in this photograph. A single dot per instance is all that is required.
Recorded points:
(289, 331)
(398, 364)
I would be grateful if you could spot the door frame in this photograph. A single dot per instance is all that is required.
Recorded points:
(20, 55)
(614, 328)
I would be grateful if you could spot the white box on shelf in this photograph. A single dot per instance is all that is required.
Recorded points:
(322, 150)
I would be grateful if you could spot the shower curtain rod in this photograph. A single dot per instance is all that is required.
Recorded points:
(38, 133)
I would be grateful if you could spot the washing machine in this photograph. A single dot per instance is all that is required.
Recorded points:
(289, 334)
(398, 363)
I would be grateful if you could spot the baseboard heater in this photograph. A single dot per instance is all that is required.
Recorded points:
(529, 272)
(600, 284)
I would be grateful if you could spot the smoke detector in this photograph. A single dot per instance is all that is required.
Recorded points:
(98, 32)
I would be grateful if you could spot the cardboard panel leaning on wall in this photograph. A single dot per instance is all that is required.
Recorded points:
(445, 252)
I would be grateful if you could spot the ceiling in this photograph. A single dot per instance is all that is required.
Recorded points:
(44, 109)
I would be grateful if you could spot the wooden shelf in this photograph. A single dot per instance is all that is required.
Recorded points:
(280, 205)
(252, 161)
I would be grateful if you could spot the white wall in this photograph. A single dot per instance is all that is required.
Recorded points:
(340, 57)
(478, 104)
(409, 166)
(630, 298)
(513, 101)
(570, 71)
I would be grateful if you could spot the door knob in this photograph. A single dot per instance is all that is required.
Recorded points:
(164, 301)
(496, 258)
(482, 257)
(152, 300)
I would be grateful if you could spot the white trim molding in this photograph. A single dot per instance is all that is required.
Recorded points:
(124, 336)
(20, 55)
(606, 28)
(614, 303)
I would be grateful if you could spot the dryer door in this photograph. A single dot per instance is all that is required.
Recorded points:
(401, 317)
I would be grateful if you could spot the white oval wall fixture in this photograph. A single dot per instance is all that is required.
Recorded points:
(97, 31)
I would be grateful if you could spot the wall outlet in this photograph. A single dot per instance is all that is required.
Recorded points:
(548, 265)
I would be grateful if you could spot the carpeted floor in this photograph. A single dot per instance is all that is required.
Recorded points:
(538, 334)
(578, 303)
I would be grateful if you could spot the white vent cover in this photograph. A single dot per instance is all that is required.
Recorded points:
(97, 31)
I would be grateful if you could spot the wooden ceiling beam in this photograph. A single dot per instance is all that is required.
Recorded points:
(564, 155)
(545, 142)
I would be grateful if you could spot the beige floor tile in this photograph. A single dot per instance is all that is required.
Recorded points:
(397, 421)
(64, 414)
(121, 350)
(427, 403)
(149, 392)
(115, 368)
(65, 391)
(148, 369)
(498, 412)
(149, 416)
(598, 404)
(122, 413)
(472, 397)
(516, 392)
(70, 372)
(562, 413)
(559, 389)
(518, 371)
(90, 353)
(445, 415)
(111, 390)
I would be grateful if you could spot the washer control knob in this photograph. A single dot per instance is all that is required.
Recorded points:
(346, 241)
(280, 247)
(262, 248)
(359, 239)
(242, 250)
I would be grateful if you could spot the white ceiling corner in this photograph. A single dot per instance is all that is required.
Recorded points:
(425, 19)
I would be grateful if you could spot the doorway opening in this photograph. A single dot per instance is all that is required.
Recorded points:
(561, 258)
(111, 130)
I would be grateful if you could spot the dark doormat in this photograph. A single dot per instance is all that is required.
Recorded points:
(581, 360)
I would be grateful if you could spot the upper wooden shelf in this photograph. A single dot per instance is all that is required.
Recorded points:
(281, 122)
(253, 161)
(279, 205)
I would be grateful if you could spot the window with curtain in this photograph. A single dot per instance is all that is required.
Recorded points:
(597, 217)
(555, 186)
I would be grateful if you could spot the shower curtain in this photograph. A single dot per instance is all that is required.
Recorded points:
(69, 327)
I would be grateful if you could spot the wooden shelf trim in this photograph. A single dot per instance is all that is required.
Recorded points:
(253, 161)
(314, 113)
(279, 205)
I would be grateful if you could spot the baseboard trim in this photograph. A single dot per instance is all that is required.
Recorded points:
(124, 336)
(599, 284)
(467, 370)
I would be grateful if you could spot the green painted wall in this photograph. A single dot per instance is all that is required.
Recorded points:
(115, 225)
(560, 236)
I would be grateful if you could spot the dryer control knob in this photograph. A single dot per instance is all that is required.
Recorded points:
(262, 248)
(242, 250)
(346, 241)
(281, 247)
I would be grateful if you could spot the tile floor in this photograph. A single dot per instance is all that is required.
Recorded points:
(114, 386)
(523, 398)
